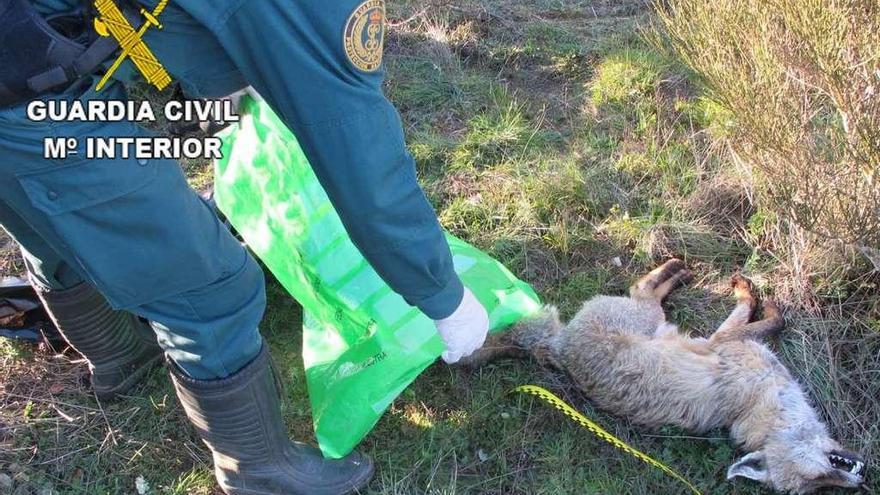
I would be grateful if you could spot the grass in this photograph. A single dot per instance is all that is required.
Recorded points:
(550, 135)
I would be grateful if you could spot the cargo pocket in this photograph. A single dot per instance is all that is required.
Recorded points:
(86, 183)
(134, 226)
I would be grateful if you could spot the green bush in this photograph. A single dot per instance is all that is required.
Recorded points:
(801, 80)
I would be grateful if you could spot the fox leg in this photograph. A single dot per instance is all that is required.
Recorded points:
(744, 292)
(533, 335)
(770, 325)
(661, 281)
(497, 345)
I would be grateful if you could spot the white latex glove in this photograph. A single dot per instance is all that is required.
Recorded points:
(464, 331)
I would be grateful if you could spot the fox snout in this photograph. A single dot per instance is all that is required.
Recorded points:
(848, 462)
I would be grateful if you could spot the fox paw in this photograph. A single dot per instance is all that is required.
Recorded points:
(685, 276)
(771, 313)
(770, 309)
(743, 288)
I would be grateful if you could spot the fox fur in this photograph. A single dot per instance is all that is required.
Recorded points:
(624, 355)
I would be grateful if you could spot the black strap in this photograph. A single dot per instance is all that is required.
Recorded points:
(83, 65)
(100, 49)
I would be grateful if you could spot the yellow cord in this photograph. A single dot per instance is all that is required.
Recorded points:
(600, 432)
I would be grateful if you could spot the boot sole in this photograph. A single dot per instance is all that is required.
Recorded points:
(357, 486)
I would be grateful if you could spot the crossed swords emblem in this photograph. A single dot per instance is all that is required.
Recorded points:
(111, 21)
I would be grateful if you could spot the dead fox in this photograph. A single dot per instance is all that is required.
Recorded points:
(630, 361)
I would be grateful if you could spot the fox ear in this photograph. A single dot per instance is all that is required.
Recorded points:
(750, 466)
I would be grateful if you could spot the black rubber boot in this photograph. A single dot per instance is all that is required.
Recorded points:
(239, 418)
(119, 346)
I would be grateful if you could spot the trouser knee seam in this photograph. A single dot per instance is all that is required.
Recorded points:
(214, 340)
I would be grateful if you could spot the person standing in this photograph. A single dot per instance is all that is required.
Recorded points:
(132, 264)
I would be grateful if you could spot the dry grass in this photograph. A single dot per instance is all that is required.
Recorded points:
(10, 261)
(800, 79)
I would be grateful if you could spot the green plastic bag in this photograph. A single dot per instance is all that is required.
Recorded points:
(362, 344)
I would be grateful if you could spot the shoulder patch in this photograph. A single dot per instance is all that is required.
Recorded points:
(364, 35)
